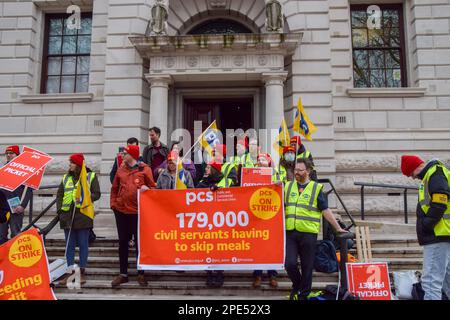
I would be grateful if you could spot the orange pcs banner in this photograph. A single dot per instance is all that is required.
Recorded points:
(198, 229)
(256, 176)
(22, 168)
(369, 281)
(24, 268)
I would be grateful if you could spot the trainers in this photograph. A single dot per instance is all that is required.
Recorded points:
(141, 280)
(293, 295)
(257, 282)
(273, 282)
(119, 280)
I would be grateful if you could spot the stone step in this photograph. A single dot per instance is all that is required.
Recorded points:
(189, 288)
(393, 252)
(403, 263)
(242, 276)
(133, 296)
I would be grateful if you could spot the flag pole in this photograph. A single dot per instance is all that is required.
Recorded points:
(198, 139)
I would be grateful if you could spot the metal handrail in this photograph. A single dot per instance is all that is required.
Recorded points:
(333, 189)
(405, 189)
(32, 222)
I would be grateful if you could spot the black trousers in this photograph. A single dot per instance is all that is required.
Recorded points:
(304, 245)
(126, 227)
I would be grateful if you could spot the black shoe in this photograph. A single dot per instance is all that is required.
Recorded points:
(218, 279)
(209, 279)
(294, 295)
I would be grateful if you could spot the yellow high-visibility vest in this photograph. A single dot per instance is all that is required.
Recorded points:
(442, 228)
(301, 209)
(70, 190)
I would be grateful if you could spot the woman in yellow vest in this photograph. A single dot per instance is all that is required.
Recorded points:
(433, 222)
(76, 225)
(305, 203)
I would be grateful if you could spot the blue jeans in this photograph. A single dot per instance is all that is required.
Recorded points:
(436, 270)
(78, 237)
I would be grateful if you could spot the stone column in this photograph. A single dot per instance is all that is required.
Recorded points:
(274, 82)
(159, 95)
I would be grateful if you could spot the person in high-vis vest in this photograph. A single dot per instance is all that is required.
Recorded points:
(287, 164)
(214, 179)
(228, 168)
(305, 204)
(250, 159)
(76, 225)
(433, 222)
(241, 152)
(303, 153)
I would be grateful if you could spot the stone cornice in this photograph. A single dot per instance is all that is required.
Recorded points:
(56, 98)
(386, 92)
(200, 44)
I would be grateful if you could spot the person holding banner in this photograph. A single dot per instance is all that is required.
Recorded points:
(305, 203)
(230, 177)
(265, 161)
(72, 218)
(167, 179)
(16, 202)
(303, 153)
(131, 177)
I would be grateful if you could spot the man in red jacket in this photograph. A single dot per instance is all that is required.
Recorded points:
(131, 177)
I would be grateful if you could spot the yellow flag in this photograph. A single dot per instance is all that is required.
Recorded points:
(209, 138)
(282, 138)
(180, 183)
(83, 194)
(302, 124)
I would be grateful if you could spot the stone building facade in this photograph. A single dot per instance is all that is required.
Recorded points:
(138, 79)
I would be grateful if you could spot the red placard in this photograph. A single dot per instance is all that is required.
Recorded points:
(369, 281)
(199, 229)
(21, 168)
(24, 268)
(35, 181)
(256, 177)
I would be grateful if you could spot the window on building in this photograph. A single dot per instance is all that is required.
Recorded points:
(220, 26)
(378, 48)
(66, 60)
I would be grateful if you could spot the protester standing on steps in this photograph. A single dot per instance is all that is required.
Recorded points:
(433, 222)
(119, 158)
(167, 179)
(303, 153)
(188, 165)
(304, 206)
(156, 152)
(76, 225)
(21, 194)
(130, 178)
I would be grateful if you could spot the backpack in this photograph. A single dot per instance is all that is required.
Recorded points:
(325, 259)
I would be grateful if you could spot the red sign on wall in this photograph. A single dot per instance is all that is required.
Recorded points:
(369, 281)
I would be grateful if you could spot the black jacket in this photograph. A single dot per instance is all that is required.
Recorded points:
(4, 208)
(210, 181)
(426, 222)
(149, 152)
(18, 193)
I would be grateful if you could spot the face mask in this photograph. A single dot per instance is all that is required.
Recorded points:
(289, 157)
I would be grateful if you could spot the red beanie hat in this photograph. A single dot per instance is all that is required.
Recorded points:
(297, 140)
(14, 149)
(288, 149)
(77, 158)
(133, 151)
(409, 164)
(216, 166)
(221, 148)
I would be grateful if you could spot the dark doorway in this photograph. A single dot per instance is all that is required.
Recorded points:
(228, 113)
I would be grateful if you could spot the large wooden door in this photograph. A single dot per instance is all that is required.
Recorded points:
(228, 113)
